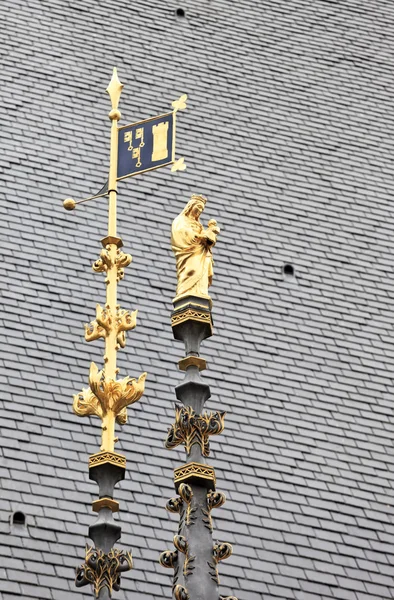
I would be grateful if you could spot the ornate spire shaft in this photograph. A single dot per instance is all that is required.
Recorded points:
(195, 557)
(114, 89)
(107, 397)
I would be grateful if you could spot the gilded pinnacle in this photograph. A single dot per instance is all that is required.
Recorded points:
(114, 90)
(107, 397)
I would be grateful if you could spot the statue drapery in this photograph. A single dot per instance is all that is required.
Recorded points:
(191, 244)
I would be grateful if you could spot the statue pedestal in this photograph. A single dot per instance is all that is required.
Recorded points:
(191, 322)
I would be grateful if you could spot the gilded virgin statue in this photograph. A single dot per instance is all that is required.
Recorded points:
(192, 245)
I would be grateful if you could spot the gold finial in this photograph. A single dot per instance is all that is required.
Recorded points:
(114, 90)
(69, 204)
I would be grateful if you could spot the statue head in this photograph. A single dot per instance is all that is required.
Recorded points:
(195, 206)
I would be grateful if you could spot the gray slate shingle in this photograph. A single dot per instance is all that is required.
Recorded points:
(289, 132)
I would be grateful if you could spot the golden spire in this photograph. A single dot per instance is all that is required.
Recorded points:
(106, 396)
(114, 89)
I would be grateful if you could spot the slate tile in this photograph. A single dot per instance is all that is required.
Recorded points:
(314, 189)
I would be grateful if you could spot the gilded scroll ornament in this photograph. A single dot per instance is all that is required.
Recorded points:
(220, 552)
(192, 245)
(168, 559)
(174, 505)
(186, 493)
(125, 321)
(106, 323)
(214, 500)
(101, 326)
(105, 262)
(181, 593)
(190, 429)
(180, 543)
(103, 570)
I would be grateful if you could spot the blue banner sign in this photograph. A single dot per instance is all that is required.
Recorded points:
(146, 145)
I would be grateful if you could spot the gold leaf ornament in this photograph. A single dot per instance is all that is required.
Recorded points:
(108, 395)
(87, 404)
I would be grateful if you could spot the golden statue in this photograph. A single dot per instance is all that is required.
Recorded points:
(191, 244)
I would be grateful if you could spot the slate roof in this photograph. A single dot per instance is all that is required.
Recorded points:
(289, 132)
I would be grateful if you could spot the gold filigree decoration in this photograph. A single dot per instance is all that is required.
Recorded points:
(227, 598)
(186, 493)
(187, 565)
(174, 505)
(105, 262)
(104, 324)
(214, 500)
(190, 314)
(125, 321)
(182, 545)
(122, 261)
(190, 429)
(168, 559)
(101, 326)
(220, 552)
(103, 570)
(108, 397)
(100, 458)
(181, 593)
(191, 470)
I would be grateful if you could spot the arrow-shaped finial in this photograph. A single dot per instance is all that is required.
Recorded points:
(114, 89)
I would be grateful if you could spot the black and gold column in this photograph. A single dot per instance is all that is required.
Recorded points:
(195, 557)
(107, 396)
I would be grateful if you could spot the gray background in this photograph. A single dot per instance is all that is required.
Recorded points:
(289, 132)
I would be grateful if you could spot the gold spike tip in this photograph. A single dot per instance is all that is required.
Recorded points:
(114, 90)
(69, 204)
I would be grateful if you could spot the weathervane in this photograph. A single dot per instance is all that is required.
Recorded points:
(135, 149)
